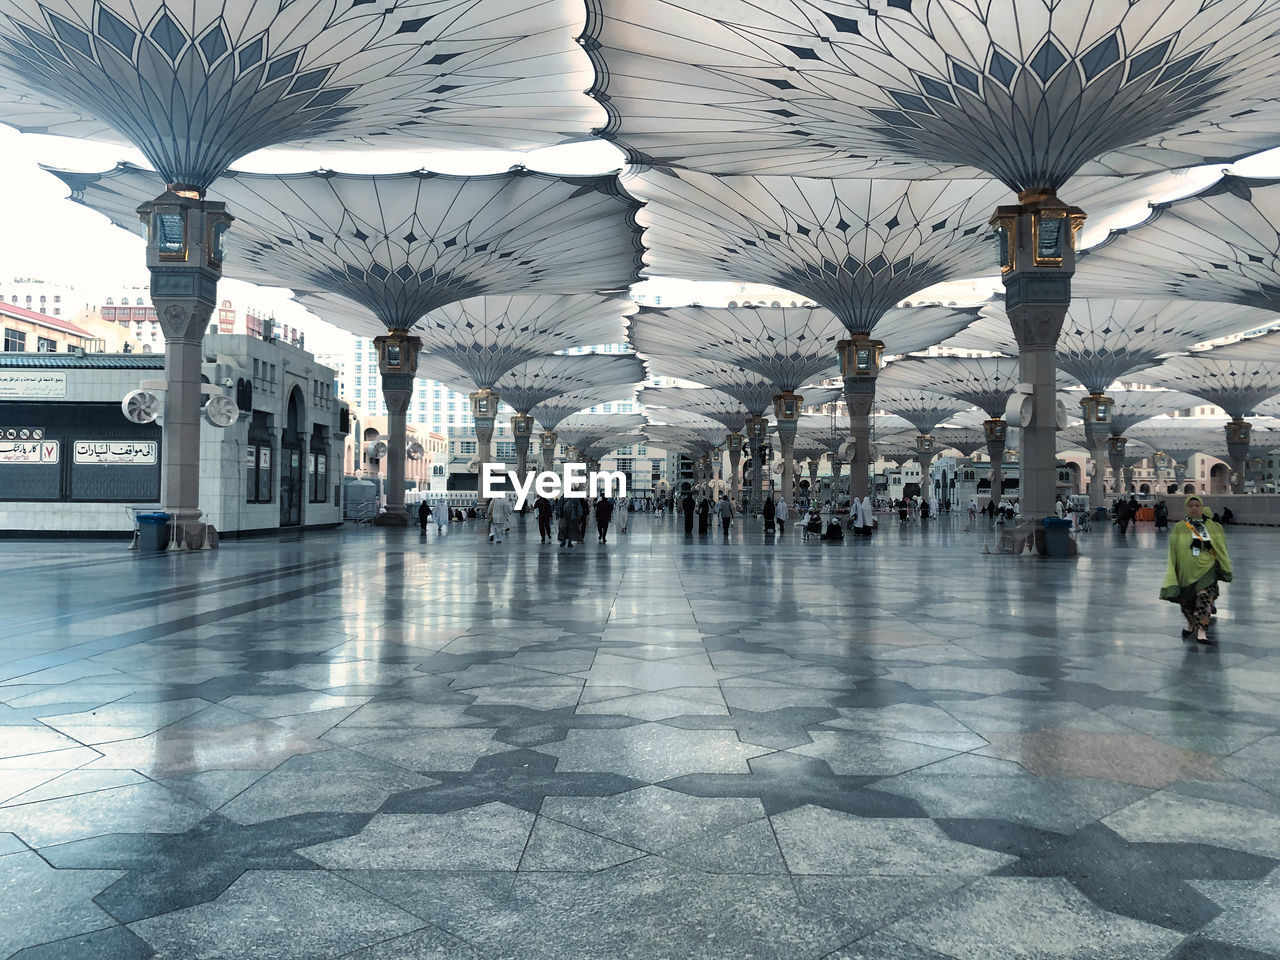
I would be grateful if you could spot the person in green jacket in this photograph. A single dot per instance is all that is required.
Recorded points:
(1198, 559)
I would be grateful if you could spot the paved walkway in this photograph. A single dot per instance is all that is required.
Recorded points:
(375, 746)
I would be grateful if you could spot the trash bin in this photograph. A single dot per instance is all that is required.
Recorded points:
(153, 532)
(1057, 537)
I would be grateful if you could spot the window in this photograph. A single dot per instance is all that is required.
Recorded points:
(258, 472)
(45, 345)
(466, 446)
(319, 477)
(15, 341)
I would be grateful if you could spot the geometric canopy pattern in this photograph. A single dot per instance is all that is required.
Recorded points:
(196, 85)
(751, 389)
(964, 439)
(1104, 340)
(985, 382)
(542, 378)
(1137, 406)
(923, 409)
(553, 411)
(1238, 386)
(1220, 244)
(857, 247)
(1031, 91)
(789, 346)
(712, 404)
(589, 431)
(485, 337)
(399, 246)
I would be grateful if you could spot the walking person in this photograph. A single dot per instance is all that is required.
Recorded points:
(1122, 516)
(542, 507)
(724, 510)
(499, 515)
(780, 513)
(704, 515)
(769, 513)
(1198, 561)
(687, 508)
(604, 513)
(424, 516)
(573, 520)
(623, 509)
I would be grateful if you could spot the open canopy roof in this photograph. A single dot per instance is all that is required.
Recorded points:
(749, 388)
(789, 346)
(1104, 340)
(857, 247)
(196, 85)
(552, 412)
(612, 376)
(398, 246)
(1029, 91)
(485, 337)
(1238, 386)
(923, 409)
(985, 382)
(712, 404)
(1219, 244)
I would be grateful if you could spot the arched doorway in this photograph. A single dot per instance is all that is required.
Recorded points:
(1219, 478)
(292, 487)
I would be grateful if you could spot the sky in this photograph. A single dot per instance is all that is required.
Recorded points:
(49, 237)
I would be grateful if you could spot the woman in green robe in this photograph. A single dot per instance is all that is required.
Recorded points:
(1198, 559)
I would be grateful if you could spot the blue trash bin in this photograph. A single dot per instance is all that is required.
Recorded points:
(1057, 537)
(153, 532)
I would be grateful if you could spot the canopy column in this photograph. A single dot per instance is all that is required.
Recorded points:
(786, 407)
(184, 256)
(398, 364)
(1037, 259)
(860, 365)
(1239, 434)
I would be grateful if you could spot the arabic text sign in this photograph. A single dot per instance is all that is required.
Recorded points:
(29, 451)
(29, 384)
(116, 452)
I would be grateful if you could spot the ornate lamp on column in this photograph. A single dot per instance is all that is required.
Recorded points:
(860, 365)
(1037, 259)
(398, 363)
(786, 407)
(185, 245)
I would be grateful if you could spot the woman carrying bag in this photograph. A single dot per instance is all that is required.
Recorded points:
(1198, 560)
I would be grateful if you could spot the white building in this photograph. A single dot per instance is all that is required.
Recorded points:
(71, 463)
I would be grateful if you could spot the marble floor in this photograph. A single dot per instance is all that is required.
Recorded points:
(373, 745)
